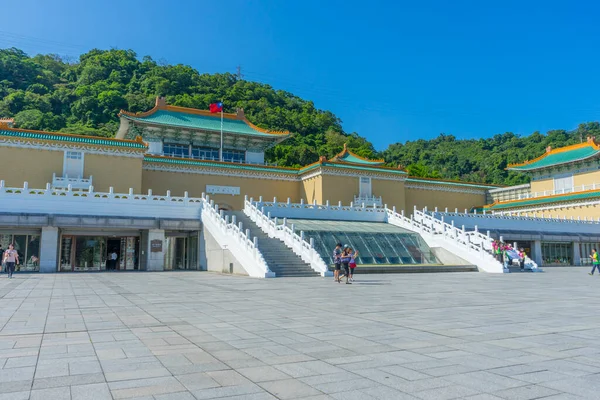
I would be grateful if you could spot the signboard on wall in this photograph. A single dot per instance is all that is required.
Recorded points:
(214, 189)
(156, 246)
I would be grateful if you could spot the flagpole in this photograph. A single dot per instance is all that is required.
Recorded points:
(221, 149)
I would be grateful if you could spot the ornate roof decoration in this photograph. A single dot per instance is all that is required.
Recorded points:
(7, 122)
(349, 157)
(191, 118)
(562, 155)
(33, 135)
(543, 200)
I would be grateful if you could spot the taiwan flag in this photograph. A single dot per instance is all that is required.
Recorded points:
(216, 107)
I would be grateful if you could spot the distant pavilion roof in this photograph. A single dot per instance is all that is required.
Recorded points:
(563, 155)
(349, 157)
(191, 118)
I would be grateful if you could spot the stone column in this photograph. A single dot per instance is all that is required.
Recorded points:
(576, 253)
(536, 252)
(155, 250)
(49, 249)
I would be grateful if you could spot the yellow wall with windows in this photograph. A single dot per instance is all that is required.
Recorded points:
(195, 185)
(18, 165)
(442, 199)
(121, 173)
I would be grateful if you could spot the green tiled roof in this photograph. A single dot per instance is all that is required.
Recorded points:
(72, 138)
(352, 158)
(197, 121)
(545, 200)
(561, 157)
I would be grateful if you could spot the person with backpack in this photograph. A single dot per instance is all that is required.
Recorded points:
(337, 262)
(595, 262)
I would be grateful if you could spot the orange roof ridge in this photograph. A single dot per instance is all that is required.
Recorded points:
(549, 150)
(262, 130)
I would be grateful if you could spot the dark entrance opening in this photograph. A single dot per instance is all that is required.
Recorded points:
(113, 248)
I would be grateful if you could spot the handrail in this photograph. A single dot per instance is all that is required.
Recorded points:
(521, 216)
(306, 250)
(235, 238)
(475, 246)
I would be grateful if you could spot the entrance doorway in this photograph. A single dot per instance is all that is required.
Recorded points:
(96, 253)
(113, 248)
(181, 252)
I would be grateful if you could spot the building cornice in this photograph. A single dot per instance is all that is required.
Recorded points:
(440, 188)
(62, 146)
(223, 171)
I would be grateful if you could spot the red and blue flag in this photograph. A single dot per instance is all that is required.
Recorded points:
(216, 107)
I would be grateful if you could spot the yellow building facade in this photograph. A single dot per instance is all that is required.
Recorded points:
(177, 151)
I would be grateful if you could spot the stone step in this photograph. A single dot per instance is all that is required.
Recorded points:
(280, 259)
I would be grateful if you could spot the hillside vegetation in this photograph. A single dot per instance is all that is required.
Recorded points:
(47, 93)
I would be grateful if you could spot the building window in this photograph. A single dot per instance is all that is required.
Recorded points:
(205, 153)
(73, 164)
(237, 156)
(563, 184)
(557, 253)
(176, 150)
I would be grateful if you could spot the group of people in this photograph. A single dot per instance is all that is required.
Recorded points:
(10, 258)
(344, 257)
(503, 252)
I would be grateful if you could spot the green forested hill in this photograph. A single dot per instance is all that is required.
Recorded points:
(45, 92)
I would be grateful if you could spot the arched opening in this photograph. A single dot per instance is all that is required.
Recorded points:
(225, 207)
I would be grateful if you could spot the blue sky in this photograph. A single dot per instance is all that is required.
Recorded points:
(392, 71)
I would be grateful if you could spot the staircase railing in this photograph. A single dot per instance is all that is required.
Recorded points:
(298, 244)
(471, 246)
(229, 235)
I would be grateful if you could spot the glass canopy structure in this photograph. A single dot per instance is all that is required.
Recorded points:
(376, 242)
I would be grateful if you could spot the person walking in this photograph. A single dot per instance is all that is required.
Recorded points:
(353, 264)
(113, 259)
(337, 262)
(595, 262)
(11, 257)
(346, 257)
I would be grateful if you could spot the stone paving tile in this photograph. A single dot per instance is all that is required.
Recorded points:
(199, 335)
(61, 393)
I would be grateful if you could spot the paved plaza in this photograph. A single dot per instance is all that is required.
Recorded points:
(197, 335)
